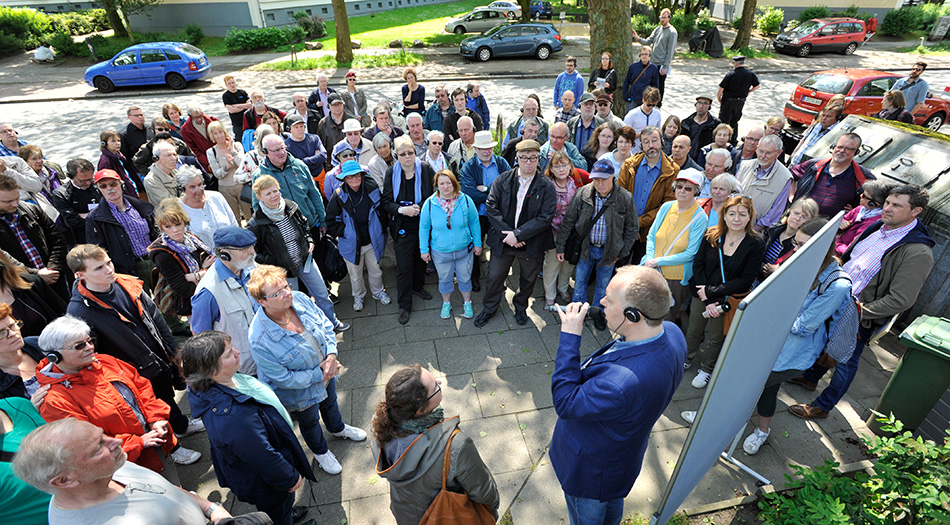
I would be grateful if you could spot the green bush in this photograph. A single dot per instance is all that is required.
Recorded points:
(9, 43)
(313, 26)
(736, 22)
(684, 23)
(64, 45)
(642, 25)
(902, 21)
(704, 21)
(23, 28)
(262, 38)
(192, 34)
(80, 22)
(818, 11)
(850, 12)
(769, 20)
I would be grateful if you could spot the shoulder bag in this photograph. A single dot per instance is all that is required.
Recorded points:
(452, 508)
(572, 247)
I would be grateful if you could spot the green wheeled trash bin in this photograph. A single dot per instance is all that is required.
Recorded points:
(922, 375)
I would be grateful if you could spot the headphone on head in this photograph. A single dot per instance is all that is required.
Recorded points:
(223, 255)
(54, 356)
(634, 315)
(102, 144)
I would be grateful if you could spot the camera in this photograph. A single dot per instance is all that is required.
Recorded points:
(721, 308)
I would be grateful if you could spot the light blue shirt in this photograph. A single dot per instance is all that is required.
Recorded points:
(643, 184)
(489, 174)
(204, 306)
(915, 93)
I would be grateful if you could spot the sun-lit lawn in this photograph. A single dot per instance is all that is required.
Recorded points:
(360, 60)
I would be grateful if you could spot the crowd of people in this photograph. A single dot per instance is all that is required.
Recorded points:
(186, 257)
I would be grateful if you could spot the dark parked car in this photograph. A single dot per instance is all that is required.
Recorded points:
(821, 35)
(172, 63)
(538, 40)
(541, 9)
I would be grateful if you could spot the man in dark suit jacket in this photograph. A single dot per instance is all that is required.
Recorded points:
(520, 207)
(607, 405)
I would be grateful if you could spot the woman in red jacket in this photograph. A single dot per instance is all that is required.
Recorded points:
(106, 392)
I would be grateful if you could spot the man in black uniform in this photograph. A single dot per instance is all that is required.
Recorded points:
(733, 90)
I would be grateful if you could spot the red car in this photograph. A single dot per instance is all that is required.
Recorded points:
(863, 90)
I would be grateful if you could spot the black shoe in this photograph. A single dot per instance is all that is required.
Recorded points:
(422, 294)
(475, 286)
(300, 512)
(403, 316)
(482, 318)
(334, 298)
(521, 318)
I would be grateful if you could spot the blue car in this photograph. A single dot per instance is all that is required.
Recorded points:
(538, 40)
(541, 9)
(172, 63)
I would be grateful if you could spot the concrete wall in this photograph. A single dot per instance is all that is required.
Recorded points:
(215, 18)
(52, 7)
(730, 9)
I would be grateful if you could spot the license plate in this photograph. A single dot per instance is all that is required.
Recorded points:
(778, 44)
(811, 100)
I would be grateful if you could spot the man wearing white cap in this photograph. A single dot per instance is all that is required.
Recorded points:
(477, 175)
(353, 137)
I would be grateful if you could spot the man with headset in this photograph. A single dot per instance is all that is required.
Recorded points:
(608, 404)
(221, 301)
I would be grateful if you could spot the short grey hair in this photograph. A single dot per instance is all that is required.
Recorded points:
(44, 454)
(467, 119)
(61, 331)
(186, 174)
(414, 115)
(195, 109)
(161, 146)
(724, 153)
(381, 138)
(321, 76)
(773, 141)
(262, 131)
(534, 121)
(727, 179)
(435, 134)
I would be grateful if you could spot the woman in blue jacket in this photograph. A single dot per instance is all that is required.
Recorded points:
(253, 446)
(449, 234)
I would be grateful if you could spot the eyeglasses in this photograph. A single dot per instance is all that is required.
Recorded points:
(916, 69)
(91, 341)
(283, 290)
(8, 331)
(683, 187)
(603, 104)
(438, 388)
(161, 130)
(407, 153)
(107, 185)
(351, 80)
(650, 105)
(347, 155)
(529, 158)
(845, 148)
(434, 142)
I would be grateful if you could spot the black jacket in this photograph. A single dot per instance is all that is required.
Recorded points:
(537, 212)
(133, 138)
(704, 130)
(741, 268)
(173, 269)
(35, 304)
(42, 232)
(391, 207)
(103, 228)
(450, 126)
(270, 246)
(70, 201)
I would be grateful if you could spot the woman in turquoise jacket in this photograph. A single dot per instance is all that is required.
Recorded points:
(450, 235)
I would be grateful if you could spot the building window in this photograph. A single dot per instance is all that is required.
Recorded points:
(369, 6)
(309, 13)
(324, 10)
(380, 5)
(270, 17)
(59, 8)
(357, 7)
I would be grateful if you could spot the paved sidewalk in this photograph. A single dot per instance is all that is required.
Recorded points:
(498, 378)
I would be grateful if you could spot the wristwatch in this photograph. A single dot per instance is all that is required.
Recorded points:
(213, 507)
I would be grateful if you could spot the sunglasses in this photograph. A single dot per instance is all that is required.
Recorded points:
(406, 153)
(438, 388)
(436, 143)
(348, 155)
(81, 345)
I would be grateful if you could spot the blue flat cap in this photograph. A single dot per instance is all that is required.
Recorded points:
(233, 237)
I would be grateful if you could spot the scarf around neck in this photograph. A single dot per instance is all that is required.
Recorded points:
(184, 249)
(421, 425)
(417, 180)
(275, 214)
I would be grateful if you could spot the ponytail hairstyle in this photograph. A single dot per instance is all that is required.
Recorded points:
(405, 395)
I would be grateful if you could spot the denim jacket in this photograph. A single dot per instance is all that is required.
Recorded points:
(286, 362)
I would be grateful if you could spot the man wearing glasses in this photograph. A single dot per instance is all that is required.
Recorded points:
(143, 158)
(75, 199)
(640, 75)
(477, 175)
(767, 182)
(295, 182)
(834, 182)
(9, 143)
(915, 88)
(520, 206)
(644, 115)
(330, 128)
(439, 110)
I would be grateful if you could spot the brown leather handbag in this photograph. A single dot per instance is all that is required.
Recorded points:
(452, 508)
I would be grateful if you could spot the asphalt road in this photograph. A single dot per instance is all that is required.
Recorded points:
(68, 129)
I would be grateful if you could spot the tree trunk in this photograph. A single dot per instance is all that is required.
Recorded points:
(525, 10)
(117, 22)
(344, 46)
(745, 28)
(610, 26)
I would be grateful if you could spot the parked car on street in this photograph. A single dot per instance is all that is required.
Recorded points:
(511, 9)
(541, 9)
(822, 35)
(172, 63)
(863, 90)
(478, 21)
(539, 40)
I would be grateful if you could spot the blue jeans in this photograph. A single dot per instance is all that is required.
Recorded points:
(453, 265)
(309, 419)
(843, 375)
(586, 511)
(582, 275)
(317, 288)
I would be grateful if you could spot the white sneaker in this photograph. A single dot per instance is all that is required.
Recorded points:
(688, 415)
(185, 456)
(348, 432)
(701, 379)
(383, 298)
(754, 442)
(195, 425)
(357, 304)
(328, 463)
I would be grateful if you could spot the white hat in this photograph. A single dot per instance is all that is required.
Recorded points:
(484, 140)
(692, 175)
(351, 124)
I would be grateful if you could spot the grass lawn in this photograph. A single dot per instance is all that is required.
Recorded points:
(402, 58)
(940, 48)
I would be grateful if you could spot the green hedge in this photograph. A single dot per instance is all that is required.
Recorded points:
(80, 22)
(263, 38)
(22, 28)
(684, 23)
(902, 21)
(818, 11)
(769, 19)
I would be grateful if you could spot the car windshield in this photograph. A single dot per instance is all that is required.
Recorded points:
(494, 30)
(835, 84)
(807, 28)
(191, 50)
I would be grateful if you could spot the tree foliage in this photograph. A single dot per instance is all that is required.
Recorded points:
(118, 12)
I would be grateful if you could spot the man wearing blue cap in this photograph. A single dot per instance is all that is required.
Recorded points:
(604, 215)
(221, 301)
